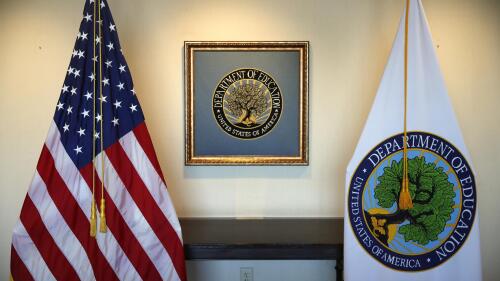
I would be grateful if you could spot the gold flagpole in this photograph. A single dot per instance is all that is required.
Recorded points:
(405, 201)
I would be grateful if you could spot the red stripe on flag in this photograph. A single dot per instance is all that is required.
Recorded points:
(52, 255)
(152, 213)
(73, 215)
(18, 270)
(142, 135)
(117, 225)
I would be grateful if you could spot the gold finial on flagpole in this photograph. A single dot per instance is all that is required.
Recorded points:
(405, 201)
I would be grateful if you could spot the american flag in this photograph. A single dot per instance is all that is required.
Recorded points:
(51, 240)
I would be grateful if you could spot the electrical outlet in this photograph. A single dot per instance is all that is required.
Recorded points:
(246, 273)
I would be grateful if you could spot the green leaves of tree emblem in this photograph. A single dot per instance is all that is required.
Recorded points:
(432, 195)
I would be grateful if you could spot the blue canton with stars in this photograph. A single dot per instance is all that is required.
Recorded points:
(75, 109)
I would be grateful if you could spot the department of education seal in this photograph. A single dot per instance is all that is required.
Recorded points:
(247, 103)
(443, 192)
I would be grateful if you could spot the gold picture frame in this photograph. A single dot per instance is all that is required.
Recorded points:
(246, 103)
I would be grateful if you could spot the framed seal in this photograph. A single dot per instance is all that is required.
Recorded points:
(246, 103)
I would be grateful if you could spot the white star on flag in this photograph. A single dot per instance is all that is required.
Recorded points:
(78, 149)
(81, 132)
(88, 95)
(85, 113)
(103, 99)
(117, 104)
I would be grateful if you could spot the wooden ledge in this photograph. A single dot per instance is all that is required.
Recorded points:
(263, 239)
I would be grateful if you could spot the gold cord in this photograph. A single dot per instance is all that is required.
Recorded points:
(93, 218)
(405, 201)
(102, 226)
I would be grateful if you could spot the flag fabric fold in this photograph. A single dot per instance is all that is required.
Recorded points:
(52, 240)
(437, 238)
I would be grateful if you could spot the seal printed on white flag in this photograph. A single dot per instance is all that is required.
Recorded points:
(411, 197)
(442, 188)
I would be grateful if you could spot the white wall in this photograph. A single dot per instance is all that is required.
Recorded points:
(262, 270)
(350, 43)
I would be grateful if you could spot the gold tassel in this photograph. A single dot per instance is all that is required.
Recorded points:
(405, 201)
(93, 219)
(102, 226)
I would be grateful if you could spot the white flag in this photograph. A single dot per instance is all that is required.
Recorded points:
(436, 235)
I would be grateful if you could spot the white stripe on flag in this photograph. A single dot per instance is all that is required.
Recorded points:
(68, 171)
(151, 179)
(135, 220)
(56, 225)
(116, 257)
(29, 254)
(81, 192)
